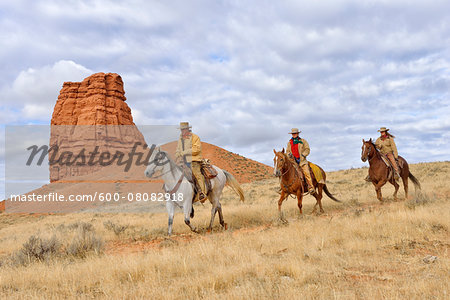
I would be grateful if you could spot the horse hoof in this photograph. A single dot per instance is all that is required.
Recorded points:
(208, 230)
(283, 221)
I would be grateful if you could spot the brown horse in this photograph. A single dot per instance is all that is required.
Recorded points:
(294, 183)
(379, 172)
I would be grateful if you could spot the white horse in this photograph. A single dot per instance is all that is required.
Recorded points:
(180, 191)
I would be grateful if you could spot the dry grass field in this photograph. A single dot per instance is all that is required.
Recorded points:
(358, 249)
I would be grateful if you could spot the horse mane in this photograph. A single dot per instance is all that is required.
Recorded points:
(375, 147)
(172, 163)
(287, 158)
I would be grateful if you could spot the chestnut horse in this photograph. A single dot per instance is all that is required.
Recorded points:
(294, 183)
(379, 172)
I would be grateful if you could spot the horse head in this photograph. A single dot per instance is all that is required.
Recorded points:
(367, 149)
(279, 162)
(156, 162)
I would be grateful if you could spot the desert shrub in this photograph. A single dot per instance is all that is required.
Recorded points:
(418, 200)
(36, 249)
(82, 225)
(116, 228)
(85, 242)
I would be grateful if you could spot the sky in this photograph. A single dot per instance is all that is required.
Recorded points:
(244, 73)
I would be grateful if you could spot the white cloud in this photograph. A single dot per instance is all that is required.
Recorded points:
(34, 92)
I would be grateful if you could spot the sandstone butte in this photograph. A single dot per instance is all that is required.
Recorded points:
(96, 101)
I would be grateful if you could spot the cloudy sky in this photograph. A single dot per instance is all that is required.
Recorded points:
(245, 72)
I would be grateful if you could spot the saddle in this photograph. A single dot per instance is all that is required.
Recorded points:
(207, 169)
(390, 166)
(208, 173)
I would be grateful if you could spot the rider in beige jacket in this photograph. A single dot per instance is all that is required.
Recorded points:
(299, 149)
(385, 143)
(189, 148)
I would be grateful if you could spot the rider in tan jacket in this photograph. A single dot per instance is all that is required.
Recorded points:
(189, 148)
(385, 143)
(299, 149)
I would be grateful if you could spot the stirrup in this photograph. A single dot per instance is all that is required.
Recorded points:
(202, 197)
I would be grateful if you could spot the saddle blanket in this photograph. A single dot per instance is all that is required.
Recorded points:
(317, 173)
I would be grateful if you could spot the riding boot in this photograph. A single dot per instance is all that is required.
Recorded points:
(307, 174)
(391, 157)
(196, 170)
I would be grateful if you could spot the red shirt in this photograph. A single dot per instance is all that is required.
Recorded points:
(294, 149)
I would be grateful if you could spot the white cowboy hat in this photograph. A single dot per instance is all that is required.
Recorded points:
(185, 125)
(383, 129)
(294, 130)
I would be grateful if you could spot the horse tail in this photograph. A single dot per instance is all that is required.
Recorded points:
(232, 182)
(414, 180)
(325, 189)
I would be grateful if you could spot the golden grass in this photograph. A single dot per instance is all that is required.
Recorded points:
(359, 249)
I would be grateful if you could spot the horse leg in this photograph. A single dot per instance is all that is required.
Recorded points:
(222, 222)
(214, 199)
(283, 197)
(187, 209)
(405, 186)
(397, 186)
(299, 200)
(378, 190)
(216, 195)
(318, 197)
(170, 210)
(213, 215)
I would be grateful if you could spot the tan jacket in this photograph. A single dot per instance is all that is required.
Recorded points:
(303, 150)
(387, 146)
(192, 148)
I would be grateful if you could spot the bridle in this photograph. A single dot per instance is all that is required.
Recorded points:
(177, 185)
(289, 166)
(369, 152)
(158, 164)
(289, 185)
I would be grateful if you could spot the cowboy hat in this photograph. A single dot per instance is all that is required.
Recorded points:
(185, 125)
(383, 129)
(294, 130)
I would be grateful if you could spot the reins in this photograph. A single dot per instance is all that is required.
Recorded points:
(375, 153)
(287, 186)
(177, 185)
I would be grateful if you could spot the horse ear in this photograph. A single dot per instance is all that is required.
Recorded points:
(370, 140)
(274, 151)
(282, 151)
(364, 141)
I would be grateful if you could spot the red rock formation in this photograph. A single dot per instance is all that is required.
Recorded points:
(96, 101)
